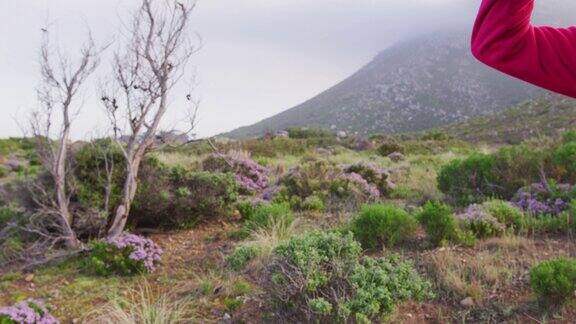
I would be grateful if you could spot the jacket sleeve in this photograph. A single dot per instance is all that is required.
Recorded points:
(505, 39)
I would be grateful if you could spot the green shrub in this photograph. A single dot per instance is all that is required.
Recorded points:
(267, 215)
(468, 180)
(379, 224)
(329, 264)
(569, 136)
(179, 198)
(241, 256)
(564, 163)
(483, 176)
(90, 164)
(9, 215)
(247, 207)
(388, 148)
(232, 304)
(313, 203)
(506, 213)
(554, 281)
(320, 306)
(4, 171)
(562, 224)
(328, 182)
(440, 224)
(381, 283)
(305, 133)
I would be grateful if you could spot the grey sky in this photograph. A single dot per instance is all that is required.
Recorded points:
(259, 56)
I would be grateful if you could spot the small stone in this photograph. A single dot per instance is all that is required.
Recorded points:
(467, 302)
(227, 317)
(29, 277)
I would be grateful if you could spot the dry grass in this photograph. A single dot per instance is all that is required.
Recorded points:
(145, 305)
(508, 243)
(470, 276)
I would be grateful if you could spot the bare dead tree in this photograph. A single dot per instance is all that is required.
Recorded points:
(152, 61)
(60, 84)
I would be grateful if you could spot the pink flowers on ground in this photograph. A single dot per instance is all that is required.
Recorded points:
(142, 249)
(27, 312)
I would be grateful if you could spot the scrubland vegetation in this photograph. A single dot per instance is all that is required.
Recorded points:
(311, 228)
(305, 225)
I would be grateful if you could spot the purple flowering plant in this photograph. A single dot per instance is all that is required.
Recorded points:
(373, 174)
(358, 182)
(27, 312)
(125, 254)
(250, 176)
(544, 198)
(480, 222)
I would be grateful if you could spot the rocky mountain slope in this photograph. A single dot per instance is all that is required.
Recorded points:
(419, 84)
(549, 115)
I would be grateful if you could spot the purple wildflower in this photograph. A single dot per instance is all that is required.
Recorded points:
(366, 187)
(250, 176)
(538, 200)
(28, 312)
(142, 249)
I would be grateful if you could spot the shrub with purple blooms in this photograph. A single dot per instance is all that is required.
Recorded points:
(26, 312)
(126, 254)
(545, 198)
(251, 176)
(477, 220)
(323, 181)
(372, 174)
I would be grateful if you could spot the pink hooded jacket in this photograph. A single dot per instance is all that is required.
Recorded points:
(505, 39)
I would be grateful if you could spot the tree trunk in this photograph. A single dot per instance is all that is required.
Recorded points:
(59, 174)
(128, 194)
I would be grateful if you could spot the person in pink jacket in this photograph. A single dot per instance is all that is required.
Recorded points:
(505, 39)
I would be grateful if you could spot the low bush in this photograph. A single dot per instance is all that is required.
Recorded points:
(304, 133)
(313, 203)
(484, 176)
(440, 224)
(127, 254)
(326, 181)
(380, 224)
(554, 281)
(4, 171)
(251, 176)
(322, 276)
(372, 174)
(241, 256)
(388, 148)
(469, 180)
(506, 213)
(481, 223)
(179, 198)
(563, 163)
(560, 224)
(569, 137)
(545, 198)
(29, 311)
(267, 215)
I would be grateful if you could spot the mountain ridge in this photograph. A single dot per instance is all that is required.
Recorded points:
(418, 84)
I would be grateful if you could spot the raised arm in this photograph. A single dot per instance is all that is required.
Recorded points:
(505, 39)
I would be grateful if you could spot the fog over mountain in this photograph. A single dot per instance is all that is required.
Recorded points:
(258, 58)
(417, 84)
